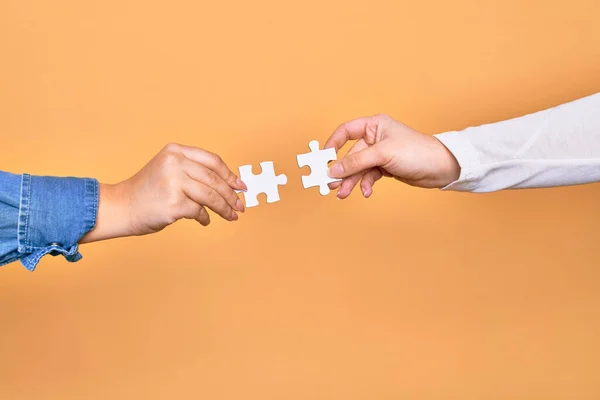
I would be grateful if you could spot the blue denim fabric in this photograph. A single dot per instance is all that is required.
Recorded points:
(42, 215)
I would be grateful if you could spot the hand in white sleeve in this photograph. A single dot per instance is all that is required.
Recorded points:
(555, 147)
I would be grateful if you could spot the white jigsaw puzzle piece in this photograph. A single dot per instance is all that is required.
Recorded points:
(267, 182)
(317, 161)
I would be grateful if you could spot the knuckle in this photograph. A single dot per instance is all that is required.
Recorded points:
(353, 163)
(381, 117)
(233, 197)
(231, 178)
(215, 158)
(171, 159)
(172, 148)
(212, 196)
(211, 178)
(223, 208)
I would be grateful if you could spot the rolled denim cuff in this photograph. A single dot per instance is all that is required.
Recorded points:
(54, 214)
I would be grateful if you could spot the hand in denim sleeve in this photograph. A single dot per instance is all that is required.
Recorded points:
(42, 215)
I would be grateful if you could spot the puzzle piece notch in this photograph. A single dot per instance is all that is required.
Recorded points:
(317, 161)
(267, 182)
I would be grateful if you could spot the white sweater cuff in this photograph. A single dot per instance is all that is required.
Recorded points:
(468, 160)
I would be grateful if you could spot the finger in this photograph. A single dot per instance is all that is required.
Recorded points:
(202, 216)
(210, 178)
(215, 163)
(369, 180)
(335, 185)
(356, 147)
(348, 185)
(351, 130)
(385, 173)
(209, 197)
(192, 210)
(357, 162)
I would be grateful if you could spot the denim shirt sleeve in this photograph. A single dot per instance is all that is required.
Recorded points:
(42, 215)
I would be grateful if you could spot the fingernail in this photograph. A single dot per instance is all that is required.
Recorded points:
(366, 192)
(241, 184)
(341, 194)
(234, 216)
(336, 170)
(239, 205)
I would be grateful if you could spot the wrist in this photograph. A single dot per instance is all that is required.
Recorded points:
(448, 168)
(113, 217)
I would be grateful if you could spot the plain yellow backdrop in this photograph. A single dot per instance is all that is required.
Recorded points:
(411, 294)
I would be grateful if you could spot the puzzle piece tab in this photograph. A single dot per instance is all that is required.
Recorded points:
(267, 182)
(317, 161)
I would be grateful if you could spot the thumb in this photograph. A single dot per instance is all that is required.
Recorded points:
(356, 162)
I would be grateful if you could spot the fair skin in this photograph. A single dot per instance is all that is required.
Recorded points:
(386, 147)
(179, 182)
(185, 182)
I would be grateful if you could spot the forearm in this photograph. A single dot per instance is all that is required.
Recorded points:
(555, 147)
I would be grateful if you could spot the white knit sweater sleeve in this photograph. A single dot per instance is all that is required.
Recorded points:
(556, 147)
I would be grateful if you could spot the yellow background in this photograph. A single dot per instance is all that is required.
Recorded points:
(412, 294)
